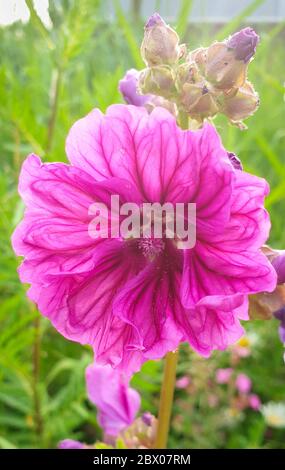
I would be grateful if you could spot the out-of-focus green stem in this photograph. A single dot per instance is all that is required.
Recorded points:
(55, 92)
(39, 24)
(166, 400)
(183, 120)
(36, 358)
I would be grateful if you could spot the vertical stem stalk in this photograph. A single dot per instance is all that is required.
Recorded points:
(55, 91)
(166, 400)
(36, 377)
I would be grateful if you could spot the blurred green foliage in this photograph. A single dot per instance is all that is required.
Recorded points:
(48, 79)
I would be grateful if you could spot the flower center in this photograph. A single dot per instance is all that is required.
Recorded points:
(151, 247)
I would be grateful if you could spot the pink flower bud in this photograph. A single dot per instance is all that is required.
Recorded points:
(243, 383)
(183, 382)
(160, 43)
(223, 375)
(70, 444)
(244, 44)
(254, 402)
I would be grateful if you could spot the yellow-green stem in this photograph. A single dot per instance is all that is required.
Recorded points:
(183, 120)
(166, 400)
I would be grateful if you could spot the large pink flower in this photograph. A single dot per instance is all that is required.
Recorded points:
(134, 300)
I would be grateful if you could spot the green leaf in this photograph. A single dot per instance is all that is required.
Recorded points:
(129, 35)
(183, 17)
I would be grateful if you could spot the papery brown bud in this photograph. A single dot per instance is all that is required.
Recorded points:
(160, 43)
(158, 80)
(156, 101)
(187, 73)
(141, 434)
(222, 69)
(277, 259)
(242, 105)
(197, 101)
(263, 305)
(199, 57)
(194, 95)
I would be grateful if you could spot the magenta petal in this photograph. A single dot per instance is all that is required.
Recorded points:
(152, 152)
(104, 146)
(54, 235)
(94, 319)
(249, 223)
(116, 401)
(214, 323)
(210, 270)
(55, 188)
(149, 303)
(216, 182)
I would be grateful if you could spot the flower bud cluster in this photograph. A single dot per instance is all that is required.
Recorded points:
(201, 83)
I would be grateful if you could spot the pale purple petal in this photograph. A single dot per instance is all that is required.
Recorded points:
(116, 401)
(279, 266)
(128, 87)
(70, 444)
(244, 43)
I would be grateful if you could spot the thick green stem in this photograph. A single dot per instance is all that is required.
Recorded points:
(166, 400)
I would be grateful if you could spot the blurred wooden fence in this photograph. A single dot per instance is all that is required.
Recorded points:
(213, 11)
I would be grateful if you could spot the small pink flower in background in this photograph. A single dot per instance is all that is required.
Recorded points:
(129, 301)
(213, 400)
(223, 375)
(241, 351)
(254, 402)
(116, 401)
(70, 444)
(243, 383)
(183, 382)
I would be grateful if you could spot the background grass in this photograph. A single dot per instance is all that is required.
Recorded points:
(48, 79)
